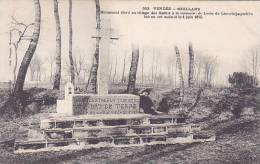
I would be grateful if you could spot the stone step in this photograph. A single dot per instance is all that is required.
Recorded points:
(61, 121)
(107, 120)
(117, 141)
(112, 132)
(119, 130)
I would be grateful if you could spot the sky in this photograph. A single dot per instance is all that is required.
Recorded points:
(229, 38)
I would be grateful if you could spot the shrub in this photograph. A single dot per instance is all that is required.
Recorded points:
(242, 80)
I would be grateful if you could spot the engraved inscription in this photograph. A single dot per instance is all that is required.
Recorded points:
(108, 104)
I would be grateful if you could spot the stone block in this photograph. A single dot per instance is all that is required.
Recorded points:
(105, 104)
(79, 104)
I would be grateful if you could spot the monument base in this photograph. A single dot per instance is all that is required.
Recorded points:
(58, 132)
(86, 121)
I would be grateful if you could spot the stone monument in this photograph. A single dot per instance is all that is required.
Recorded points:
(102, 102)
(105, 35)
(86, 121)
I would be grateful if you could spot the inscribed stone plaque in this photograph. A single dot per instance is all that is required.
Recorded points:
(105, 104)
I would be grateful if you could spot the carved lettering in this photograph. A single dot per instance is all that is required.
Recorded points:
(108, 104)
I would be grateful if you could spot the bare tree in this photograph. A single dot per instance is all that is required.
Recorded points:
(78, 66)
(115, 69)
(10, 49)
(169, 73)
(175, 73)
(197, 70)
(57, 76)
(254, 65)
(92, 81)
(10, 60)
(39, 70)
(191, 66)
(133, 69)
(123, 79)
(20, 30)
(72, 74)
(205, 68)
(250, 63)
(35, 68)
(86, 69)
(152, 69)
(156, 69)
(110, 70)
(160, 75)
(50, 59)
(30, 51)
(143, 67)
(85, 72)
(178, 60)
(209, 66)
(170, 70)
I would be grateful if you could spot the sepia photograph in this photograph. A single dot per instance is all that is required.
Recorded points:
(129, 81)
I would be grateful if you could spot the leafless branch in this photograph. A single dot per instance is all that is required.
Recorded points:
(21, 33)
(17, 23)
(17, 30)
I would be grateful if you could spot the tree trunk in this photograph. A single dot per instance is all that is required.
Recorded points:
(72, 72)
(178, 60)
(155, 73)
(143, 67)
(159, 73)
(254, 55)
(57, 75)
(114, 76)
(253, 64)
(30, 51)
(169, 74)
(175, 74)
(256, 68)
(152, 68)
(92, 81)
(172, 73)
(10, 49)
(123, 75)
(32, 73)
(198, 75)
(10, 61)
(110, 71)
(195, 103)
(133, 69)
(191, 66)
(15, 62)
(51, 73)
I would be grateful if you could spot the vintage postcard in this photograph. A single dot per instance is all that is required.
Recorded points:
(130, 81)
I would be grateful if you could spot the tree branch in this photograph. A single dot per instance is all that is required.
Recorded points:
(21, 33)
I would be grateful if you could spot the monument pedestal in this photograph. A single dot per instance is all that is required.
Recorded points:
(68, 132)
